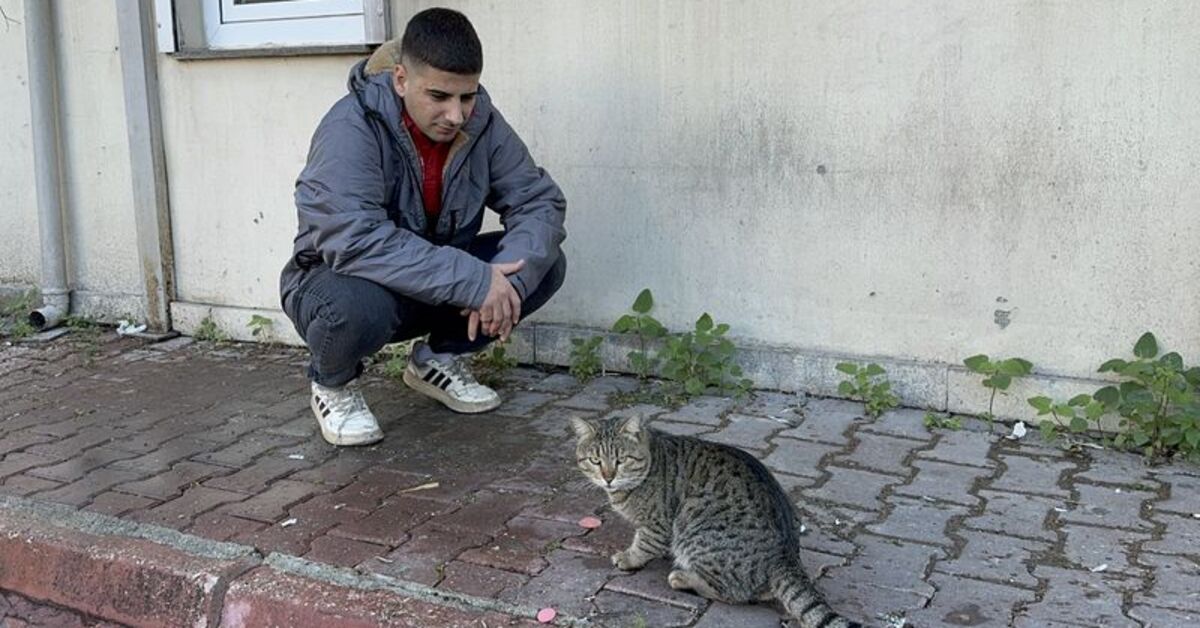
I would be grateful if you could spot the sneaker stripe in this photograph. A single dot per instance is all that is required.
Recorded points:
(430, 374)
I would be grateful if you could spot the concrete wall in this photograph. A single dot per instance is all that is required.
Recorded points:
(98, 215)
(915, 180)
(19, 266)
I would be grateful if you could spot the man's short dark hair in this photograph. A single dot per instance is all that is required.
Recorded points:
(443, 39)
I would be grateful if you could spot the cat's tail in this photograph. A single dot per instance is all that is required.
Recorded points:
(803, 602)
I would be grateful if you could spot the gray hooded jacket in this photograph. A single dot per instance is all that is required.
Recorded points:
(361, 212)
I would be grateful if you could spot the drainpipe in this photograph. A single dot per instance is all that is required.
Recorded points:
(43, 101)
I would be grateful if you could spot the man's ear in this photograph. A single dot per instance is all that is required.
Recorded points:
(400, 79)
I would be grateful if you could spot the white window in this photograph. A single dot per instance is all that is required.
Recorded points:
(194, 25)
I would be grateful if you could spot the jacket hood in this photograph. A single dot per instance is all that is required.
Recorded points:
(375, 93)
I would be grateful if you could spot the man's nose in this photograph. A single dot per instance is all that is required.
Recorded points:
(454, 115)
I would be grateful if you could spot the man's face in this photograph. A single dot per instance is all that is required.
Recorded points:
(439, 102)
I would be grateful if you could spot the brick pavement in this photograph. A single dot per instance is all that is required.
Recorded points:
(935, 528)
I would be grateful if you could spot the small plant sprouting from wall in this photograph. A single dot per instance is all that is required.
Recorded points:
(999, 375)
(260, 326)
(1072, 416)
(646, 328)
(1158, 401)
(585, 358)
(702, 359)
(208, 330)
(869, 385)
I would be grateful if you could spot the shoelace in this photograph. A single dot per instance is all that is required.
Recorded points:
(348, 402)
(460, 372)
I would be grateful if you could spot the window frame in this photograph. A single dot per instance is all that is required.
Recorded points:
(207, 27)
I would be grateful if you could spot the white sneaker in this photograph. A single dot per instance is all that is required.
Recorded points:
(450, 382)
(344, 416)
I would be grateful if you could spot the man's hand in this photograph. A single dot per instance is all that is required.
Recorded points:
(501, 309)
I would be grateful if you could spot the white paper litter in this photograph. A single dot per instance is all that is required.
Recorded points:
(1018, 431)
(295, 456)
(1099, 568)
(288, 522)
(127, 328)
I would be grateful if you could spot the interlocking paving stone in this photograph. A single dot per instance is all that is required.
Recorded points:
(943, 482)
(994, 557)
(1078, 598)
(80, 491)
(173, 481)
(1184, 494)
(520, 546)
(862, 590)
(860, 489)
(179, 512)
(567, 584)
(22, 485)
(1032, 475)
(683, 429)
(918, 520)
(826, 421)
(594, 395)
(1016, 514)
(721, 615)
(650, 582)
(612, 536)
(771, 404)
(388, 524)
(1176, 584)
(1118, 467)
(489, 511)
(169, 453)
(246, 408)
(966, 602)
(272, 504)
(257, 475)
(1164, 618)
(880, 453)
(421, 558)
(616, 609)
(222, 527)
(479, 580)
(246, 449)
(746, 432)
(1181, 535)
(1107, 506)
(1090, 547)
(114, 504)
(342, 552)
(560, 383)
(906, 422)
(524, 402)
(702, 410)
(79, 466)
(17, 462)
(798, 457)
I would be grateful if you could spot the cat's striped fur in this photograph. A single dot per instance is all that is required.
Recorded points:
(725, 521)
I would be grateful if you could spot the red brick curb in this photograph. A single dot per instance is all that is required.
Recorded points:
(145, 575)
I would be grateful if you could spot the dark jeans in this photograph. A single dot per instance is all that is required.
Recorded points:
(345, 319)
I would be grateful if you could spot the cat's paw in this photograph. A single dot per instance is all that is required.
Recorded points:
(625, 561)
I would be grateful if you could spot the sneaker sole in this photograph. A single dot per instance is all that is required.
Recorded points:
(433, 392)
(342, 440)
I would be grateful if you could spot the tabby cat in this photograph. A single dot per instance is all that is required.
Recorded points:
(720, 514)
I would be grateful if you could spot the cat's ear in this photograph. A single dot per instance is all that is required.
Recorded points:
(582, 427)
(632, 424)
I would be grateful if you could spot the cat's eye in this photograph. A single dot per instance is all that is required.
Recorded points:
(594, 460)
